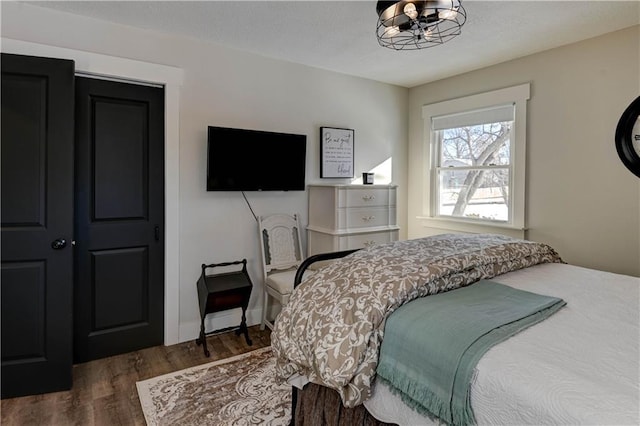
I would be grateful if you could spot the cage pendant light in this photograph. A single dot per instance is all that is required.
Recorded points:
(411, 25)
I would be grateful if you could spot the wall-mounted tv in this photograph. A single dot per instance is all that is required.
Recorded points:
(251, 160)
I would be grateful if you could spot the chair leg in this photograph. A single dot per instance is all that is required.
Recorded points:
(283, 300)
(265, 304)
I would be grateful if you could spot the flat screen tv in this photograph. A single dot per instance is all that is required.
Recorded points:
(251, 160)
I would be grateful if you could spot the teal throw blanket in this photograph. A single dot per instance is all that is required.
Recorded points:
(432, 345)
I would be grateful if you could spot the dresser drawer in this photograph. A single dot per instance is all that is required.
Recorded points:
(364, 218)
(320, 242)
(366, 197)
(369, 239)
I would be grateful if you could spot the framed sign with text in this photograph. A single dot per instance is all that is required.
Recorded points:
(336, 152)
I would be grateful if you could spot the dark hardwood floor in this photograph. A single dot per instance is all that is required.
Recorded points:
(104, 391)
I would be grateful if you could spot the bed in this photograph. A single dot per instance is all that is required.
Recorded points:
(578, 366)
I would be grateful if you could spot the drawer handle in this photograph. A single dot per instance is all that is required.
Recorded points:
(368, 197)
(368, 218)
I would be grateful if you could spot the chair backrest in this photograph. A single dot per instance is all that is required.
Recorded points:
(280, 242)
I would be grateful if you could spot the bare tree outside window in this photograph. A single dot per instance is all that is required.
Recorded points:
(474, 171)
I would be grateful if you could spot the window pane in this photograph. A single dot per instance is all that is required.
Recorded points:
(475, 194)
(480, 145)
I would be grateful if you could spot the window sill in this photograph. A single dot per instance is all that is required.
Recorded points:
(462, 225)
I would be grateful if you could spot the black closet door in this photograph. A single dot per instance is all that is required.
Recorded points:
(119, 291)
(37, 223)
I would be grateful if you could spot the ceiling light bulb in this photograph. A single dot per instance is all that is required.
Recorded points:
(392, 31)
(448, 14)
(410, 10)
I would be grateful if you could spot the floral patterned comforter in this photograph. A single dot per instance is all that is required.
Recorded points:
(332, 327)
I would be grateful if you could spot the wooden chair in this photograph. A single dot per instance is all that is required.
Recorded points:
(282, 253)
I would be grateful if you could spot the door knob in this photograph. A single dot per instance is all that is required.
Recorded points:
(59, 244)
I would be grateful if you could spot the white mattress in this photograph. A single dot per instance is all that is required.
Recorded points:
(580, 366)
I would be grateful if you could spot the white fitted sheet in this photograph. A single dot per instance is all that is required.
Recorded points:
(580, 366)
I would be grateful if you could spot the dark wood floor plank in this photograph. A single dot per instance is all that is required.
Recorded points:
(104, 391)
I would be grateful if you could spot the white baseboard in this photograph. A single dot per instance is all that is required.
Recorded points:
(191, 330)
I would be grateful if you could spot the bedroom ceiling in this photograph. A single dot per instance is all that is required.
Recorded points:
(340, 36)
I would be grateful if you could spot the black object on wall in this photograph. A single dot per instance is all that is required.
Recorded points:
(251, 160)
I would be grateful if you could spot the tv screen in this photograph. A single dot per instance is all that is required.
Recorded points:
(251, 160)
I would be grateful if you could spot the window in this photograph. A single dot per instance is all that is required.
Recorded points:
(477, 147)
(473, 164)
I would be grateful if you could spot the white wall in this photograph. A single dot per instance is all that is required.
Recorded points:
(230, 88)
(580, 198)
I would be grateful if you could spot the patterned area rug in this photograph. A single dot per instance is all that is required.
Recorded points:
(233, 391)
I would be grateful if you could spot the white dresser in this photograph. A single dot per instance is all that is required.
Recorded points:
(343, 217)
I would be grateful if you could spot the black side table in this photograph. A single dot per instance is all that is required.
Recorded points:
(221, 292)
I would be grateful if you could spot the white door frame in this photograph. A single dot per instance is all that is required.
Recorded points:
(171, 78)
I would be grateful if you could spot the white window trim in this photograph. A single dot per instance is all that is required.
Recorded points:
(518, 95)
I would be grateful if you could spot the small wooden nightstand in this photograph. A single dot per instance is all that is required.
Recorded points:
(221, 292)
